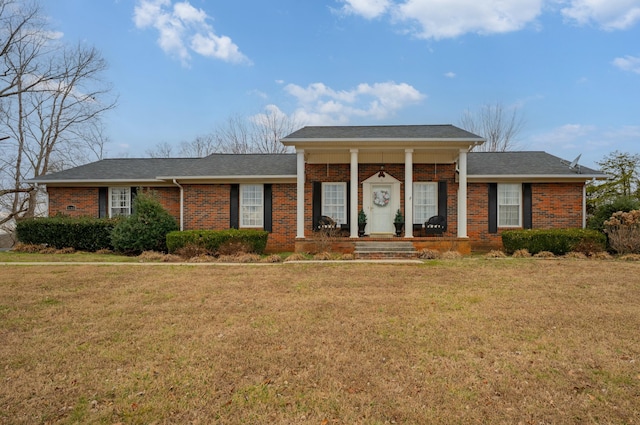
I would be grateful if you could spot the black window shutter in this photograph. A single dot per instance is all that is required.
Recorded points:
(316, 209)
(234, 207)
(442, 201)
(442, 198)
(493, 207)
(103, 203)
(348, 204)
(527, 206)
(268, 208)
(134, 193)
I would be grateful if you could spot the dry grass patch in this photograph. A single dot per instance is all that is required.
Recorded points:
(495, 254)
(521, 253)
(453, 342)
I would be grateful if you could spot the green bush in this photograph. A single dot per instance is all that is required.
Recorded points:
(213, 240)
(604, 212)
(82, 234)
(558, 241)
(145, 229)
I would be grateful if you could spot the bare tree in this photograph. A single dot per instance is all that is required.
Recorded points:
(52, 97)
(161, 150)
(269, 128)
(260, 133)
(500, 127)
(200, 146)
(234, 136)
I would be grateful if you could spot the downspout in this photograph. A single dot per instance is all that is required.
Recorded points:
(584, 205)
(181, 204)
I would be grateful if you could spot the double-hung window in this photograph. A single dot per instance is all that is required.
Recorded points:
(425, 201)
(334, 201)
(509, 204)
(251, 205)
(119, 201)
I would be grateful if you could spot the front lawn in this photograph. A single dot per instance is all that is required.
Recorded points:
(467, 341)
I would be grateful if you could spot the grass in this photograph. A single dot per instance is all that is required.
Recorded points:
(77, 257)
(471, 341)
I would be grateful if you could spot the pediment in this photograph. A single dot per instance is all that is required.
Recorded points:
(375, 178)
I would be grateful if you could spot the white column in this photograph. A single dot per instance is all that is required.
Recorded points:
(300, 195)
(408, 193)
(462, 194)
(353, 214)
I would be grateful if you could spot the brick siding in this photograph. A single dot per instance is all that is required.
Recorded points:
(207, 206)
(554, 205)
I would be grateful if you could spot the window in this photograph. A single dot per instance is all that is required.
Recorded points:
(509, 204)
(119, 201)
(425, 201)
(251, 205)
(334, 201)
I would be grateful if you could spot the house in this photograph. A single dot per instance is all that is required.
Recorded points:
(420, 170)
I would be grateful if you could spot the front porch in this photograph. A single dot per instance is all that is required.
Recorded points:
(382, 247)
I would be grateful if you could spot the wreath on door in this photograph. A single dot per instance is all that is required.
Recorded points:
(381, 198)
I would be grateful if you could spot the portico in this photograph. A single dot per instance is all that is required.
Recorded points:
(378, 168)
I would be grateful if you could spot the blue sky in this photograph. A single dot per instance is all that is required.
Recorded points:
(181, 68)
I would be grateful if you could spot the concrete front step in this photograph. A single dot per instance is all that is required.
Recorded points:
(381, 249)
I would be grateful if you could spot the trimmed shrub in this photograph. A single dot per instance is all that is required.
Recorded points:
(557, 241)
(213, 240)
(145, 229)
(81, 234)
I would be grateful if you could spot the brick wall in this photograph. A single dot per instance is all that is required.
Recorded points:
(208, 206)
(554, 205)
(84, 200)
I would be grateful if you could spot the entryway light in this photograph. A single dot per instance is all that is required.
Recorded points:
(381, 173)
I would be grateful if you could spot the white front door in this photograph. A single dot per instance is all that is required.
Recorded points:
(381, 209)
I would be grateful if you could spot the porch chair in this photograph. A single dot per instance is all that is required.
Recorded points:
(436, 225)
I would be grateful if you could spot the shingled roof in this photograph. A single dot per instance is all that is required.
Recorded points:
(219, 166)
(530, 163)
(155, 169)
(377, 132)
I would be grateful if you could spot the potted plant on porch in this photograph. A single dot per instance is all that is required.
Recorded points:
(398, 221)
(362, 222)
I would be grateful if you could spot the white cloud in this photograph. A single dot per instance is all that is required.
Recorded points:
(594, 143)
(628, 63)
(368, 9)
(183, 29)
(439, 19)
(566, 136)
(450, 74)
(608, 14)
(322, 105)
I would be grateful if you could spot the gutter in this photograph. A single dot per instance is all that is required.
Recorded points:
(181, 204)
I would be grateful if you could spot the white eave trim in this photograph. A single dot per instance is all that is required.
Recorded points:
(534, 177)
(230, 178)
